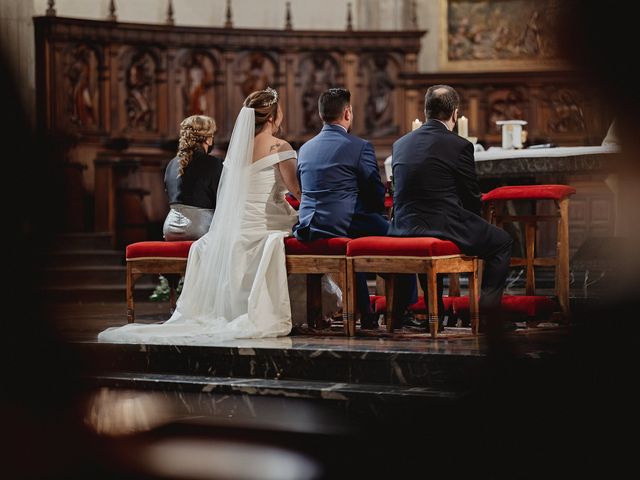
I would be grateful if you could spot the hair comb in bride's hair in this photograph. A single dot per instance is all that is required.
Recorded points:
(274, 96)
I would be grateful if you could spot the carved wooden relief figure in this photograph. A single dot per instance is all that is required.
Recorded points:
(197, 90)
(258, 72)
(140, 88)
(318, 73)
(505, 104)
(567, 115)
(82, 91)
(379, 105)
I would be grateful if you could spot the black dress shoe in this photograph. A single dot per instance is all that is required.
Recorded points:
(500, 325)
(410, 320)
(369, 321)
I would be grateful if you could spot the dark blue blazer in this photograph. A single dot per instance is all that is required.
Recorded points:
(341, 186)
(436, 192)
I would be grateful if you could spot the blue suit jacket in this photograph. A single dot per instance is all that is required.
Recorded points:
(342, 195)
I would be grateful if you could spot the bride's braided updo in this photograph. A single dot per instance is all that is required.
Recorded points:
(265, 104)
(194, 130)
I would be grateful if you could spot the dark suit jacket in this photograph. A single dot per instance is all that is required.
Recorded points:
(341, 188)
(436, 187)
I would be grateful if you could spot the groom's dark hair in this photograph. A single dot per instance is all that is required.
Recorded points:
(332, 102)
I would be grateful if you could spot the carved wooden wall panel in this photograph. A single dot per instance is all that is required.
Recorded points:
(559, 107)
(102, 80)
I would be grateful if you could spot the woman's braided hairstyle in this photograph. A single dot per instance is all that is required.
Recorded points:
(194, 130)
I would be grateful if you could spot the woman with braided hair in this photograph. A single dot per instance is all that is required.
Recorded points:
(236, 280)
(191, 181)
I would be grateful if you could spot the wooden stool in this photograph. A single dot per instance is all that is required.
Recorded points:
(560, 195)
(146, 258)
(394, 255)
(315, 259)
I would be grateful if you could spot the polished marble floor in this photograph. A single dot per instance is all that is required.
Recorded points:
(82, 322)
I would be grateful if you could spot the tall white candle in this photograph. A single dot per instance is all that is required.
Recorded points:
(416, 124)
(463, 126)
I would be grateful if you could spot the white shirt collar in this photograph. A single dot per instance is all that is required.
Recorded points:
(341, 126)
(445, 125)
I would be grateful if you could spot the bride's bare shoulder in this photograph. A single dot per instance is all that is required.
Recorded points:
(280, 145)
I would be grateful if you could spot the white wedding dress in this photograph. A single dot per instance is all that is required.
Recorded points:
(236, 280)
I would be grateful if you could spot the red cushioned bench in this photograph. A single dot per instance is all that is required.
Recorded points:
(498, 215)
(147, 258)
(424, 255)
(315, 259)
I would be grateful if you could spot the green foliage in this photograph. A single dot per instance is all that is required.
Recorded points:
(161, 292)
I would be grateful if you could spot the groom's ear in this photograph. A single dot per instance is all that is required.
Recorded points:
(347, 113)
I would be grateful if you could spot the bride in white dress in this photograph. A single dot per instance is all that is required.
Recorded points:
(236, 280)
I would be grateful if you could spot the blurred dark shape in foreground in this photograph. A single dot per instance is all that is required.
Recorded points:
(573, 416)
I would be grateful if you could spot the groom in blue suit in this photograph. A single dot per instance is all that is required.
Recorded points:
(342, 194)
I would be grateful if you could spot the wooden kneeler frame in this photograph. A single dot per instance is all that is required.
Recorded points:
(431, 266)
(314, 266)
(139, 267)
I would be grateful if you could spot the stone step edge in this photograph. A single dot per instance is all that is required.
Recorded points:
(288, 388)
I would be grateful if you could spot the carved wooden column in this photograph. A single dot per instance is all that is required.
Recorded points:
(350, 69)
(229, 61)
(163, 93)
(289, 101)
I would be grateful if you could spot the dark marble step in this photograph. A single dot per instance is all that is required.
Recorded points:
(452, 367)
(308, 389)
(80, 257)
(90, 275)
(96, 292)
(84, 241)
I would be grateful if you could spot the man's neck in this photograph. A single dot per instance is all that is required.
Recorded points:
(340, 124)
(447, 124)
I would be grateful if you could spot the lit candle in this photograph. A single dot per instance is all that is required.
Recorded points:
(416, 124)
(463, 127)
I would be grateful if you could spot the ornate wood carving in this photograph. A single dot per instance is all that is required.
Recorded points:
(256, 71)
(318, 72)
(505, 104)
(197, 76)
(141, 91)
(379, 73)
(82, 103)
(558, 106)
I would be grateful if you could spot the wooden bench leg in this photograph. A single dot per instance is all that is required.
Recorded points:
(454, 285)
(432, 300)
(389, 285)
(314, 300)
(352, 308)
(474, 298)
(346, 307)
(173, 280)
(562, 259)
(131, 316)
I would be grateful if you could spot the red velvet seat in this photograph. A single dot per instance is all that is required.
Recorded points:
(398, 255)
(401, 246)
(499, 215)
(325, 246)
(158, 249)
(315, 259)
(529, 192)
(157, 258)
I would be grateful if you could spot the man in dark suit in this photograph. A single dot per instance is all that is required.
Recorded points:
(342, 194)
(437, 194)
